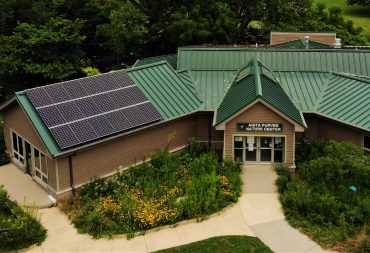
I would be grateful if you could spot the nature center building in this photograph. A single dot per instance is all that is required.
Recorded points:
(253, 104)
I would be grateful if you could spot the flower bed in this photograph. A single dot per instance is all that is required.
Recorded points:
(171, 188)
(19, 228)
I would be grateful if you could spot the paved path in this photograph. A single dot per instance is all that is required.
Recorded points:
(263, 213)
(22, 188)
(257, 213)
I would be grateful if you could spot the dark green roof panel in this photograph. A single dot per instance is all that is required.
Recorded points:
(172, 95)
(170, 59)
(255, 81)
(303, 88)
(341, 60)
(346, 99)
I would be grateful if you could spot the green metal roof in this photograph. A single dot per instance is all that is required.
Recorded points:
(304, 88)
(173, 95)
(347, 99)
(212, 85)
(228, 59)
(38, 124)
(255, 81)
(171, 59)
(300, 44)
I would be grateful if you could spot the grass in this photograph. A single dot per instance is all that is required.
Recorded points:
(360, 15)
(223, 244)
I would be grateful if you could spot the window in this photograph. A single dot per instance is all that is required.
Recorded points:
(367, 142)
(41, 169)
(18, 147)
(238, 148)
(279, 149)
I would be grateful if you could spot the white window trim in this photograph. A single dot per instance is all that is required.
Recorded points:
(260, 135)
(17, 151)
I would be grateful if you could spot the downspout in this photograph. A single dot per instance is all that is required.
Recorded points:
(71, 180)
(209, 131)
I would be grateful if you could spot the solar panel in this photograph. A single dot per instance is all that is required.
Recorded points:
(87, 109)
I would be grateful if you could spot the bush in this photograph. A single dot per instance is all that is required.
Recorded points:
(285, 176)
(19, 228)
(318, 198)
(172, 187)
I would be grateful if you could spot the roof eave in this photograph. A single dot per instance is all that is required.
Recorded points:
(7, 103)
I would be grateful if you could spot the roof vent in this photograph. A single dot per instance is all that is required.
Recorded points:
(307, 42)
(337, 43)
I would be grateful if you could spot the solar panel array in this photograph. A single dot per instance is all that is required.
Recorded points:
(87, 109)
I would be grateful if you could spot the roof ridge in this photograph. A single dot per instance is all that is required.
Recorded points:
(257, 77)
(359, 78)
(322, 93)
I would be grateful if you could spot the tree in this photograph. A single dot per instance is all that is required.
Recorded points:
(203, 22)
(39, 54)
(359, 2)
(125, 33)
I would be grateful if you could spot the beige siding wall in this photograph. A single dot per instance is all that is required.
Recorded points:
(105, 159)
(217, 137)
(328, 130)
(277, 38)
(16, 120)
(259, 113)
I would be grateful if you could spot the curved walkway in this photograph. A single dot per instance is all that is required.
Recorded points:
(257, 213)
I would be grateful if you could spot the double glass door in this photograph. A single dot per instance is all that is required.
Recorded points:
(259, 149)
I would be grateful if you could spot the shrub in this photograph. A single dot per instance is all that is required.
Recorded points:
(284, 178)
(20, 228)
(318, 198)
(172, 187)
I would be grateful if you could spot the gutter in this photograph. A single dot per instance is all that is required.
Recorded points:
(71, 176)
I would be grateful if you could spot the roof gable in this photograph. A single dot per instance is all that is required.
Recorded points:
(255, 81)
(301, 44)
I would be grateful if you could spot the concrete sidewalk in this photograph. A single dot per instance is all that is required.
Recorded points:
(263, 213)
(258, 213)
(63, 237)
(22, 188)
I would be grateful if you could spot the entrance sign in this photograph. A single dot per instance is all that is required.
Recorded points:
(260, 127)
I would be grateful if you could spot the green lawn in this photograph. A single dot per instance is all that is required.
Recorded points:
(223, 244)
(360, 15)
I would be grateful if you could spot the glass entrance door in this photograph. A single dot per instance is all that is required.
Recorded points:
(259, 149)
(251, 149)
(265, 149)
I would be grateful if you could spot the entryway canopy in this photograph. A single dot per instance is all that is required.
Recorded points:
(255, 82)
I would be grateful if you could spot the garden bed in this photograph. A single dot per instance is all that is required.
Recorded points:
(19, 228)
(171, 188)
(329, 196)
